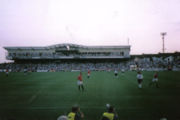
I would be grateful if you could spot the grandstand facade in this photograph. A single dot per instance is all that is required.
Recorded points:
(67, 51)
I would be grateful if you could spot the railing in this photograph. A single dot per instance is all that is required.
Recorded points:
(65, 56)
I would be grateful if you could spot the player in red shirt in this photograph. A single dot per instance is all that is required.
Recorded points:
(89, 72)
(7, 72)
(80, 82)
(154, 80)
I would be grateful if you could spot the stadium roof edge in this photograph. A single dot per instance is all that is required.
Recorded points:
(65, 44)
(7, 48)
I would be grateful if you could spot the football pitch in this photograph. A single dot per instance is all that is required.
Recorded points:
(45, 96)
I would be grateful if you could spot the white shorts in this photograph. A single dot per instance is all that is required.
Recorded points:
(79, 82)
(154, 80)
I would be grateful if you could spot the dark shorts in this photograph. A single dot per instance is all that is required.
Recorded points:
(140, 81)
(115, 74)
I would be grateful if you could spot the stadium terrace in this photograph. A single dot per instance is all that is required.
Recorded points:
(67, 51)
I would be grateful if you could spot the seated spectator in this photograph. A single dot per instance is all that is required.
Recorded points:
(62, 117)
(75, 114)
(110, 114)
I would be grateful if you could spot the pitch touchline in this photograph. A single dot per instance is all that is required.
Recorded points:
(83, 107)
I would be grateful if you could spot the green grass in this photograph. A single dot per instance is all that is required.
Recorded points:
(45, 96)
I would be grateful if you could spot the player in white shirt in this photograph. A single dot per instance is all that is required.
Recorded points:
(116, 73)
(139, 79)
(122, 71)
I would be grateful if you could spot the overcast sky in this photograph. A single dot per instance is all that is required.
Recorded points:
(91, 22)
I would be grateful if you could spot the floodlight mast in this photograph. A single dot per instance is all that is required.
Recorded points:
(128, 41)
(163, 34)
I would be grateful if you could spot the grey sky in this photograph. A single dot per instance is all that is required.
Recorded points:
(90, 22)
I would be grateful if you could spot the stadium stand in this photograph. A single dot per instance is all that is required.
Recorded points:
(71, 57)
(67, 51)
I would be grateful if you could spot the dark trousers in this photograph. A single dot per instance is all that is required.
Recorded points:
(81, 87)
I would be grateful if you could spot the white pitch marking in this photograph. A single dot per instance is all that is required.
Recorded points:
(34, 96)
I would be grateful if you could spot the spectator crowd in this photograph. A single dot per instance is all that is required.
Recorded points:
(146, 63)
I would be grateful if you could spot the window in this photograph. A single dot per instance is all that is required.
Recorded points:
(122, 53)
